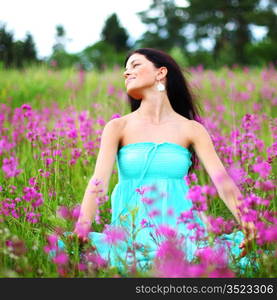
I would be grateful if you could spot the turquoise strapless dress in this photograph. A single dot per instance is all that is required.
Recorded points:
(158, 169)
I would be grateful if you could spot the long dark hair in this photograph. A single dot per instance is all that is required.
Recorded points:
(179, 94)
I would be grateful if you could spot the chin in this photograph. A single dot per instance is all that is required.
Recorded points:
(134, 93)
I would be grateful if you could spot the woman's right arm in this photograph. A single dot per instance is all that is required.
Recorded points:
(99, 183)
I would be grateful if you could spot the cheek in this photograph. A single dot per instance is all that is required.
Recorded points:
(147, 77)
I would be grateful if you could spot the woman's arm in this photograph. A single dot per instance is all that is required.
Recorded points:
(99, 182)
(226, 187)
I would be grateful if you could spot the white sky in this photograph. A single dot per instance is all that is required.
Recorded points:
(83, 20)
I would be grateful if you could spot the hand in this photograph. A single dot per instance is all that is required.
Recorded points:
(82, 239)
(250, 232)
(82, 230)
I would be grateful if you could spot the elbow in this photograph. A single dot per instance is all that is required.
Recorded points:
(98, 186)
(229, 188)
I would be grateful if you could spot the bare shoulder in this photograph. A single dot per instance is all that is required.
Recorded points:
(196, 125)
(115, 124)
(123, 120)
(198, 131)
(187, 128)
(114, 128)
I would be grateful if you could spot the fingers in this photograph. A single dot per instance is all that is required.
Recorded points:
(243, 252)
(81, 239)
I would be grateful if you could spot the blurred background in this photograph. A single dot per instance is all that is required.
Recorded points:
(97, 35)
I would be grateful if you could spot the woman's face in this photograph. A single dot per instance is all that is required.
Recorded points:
(140, 74)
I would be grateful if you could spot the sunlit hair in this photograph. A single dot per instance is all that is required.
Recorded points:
(178, 91)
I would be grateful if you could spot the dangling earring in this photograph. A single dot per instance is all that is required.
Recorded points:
(160, 87)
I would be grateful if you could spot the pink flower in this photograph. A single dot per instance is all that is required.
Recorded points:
(170, 212)
(113, 235)
(265, 185)
(32, 217)
(97, 260)
(76, 153)
(147, 200)
(115, 116)
(154, 213)
(61, 258)
(213, 256)
(26, 106)
(170, 260)
(271, 234)
(10, 167)
(145, 189)
(52, 239)
(96, 181)
(72, 133)
(263, 168)
(83, 228)
(63, 212)
(111, 90)
(49, 161)
(76, 212)
(32, 181)
(219, 225)
(166, 231)
(186, 216)
(52, 243)
(198, 200)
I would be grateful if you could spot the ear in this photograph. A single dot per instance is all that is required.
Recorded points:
(162, 72)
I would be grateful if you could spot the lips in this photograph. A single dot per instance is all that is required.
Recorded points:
(129, 79)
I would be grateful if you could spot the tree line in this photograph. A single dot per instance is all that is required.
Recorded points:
(181, 28)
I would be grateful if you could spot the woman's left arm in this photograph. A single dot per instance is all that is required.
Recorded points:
(226, 187)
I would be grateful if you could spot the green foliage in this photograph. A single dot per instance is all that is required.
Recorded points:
(114, 34)
(180, 56)
(16, 53)
(60, 39)
(62, 59)
(261, 53)
(102, 55)
(165, 22)
(40, 87)
(225, 23)
(201, 57)
(172, 28)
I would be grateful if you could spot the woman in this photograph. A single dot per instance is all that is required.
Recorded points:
(154, 147)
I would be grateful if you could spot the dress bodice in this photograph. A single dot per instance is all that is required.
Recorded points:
(153, 160)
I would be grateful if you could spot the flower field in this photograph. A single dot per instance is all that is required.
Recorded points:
(50, 128)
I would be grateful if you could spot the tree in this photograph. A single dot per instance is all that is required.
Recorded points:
(29, 50)
(61, 39)
(16, 53)
(227, 24)
(115, 35)
(165, 23)
(60, 57)
(6, 46)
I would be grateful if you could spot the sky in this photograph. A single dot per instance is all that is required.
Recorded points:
(83, 20)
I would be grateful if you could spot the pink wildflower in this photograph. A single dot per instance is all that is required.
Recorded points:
(61, 258)
(113, 235)
(166, 231)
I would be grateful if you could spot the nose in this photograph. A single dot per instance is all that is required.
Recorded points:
(126, 73)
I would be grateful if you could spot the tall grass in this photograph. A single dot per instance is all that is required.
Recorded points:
(50, 127)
